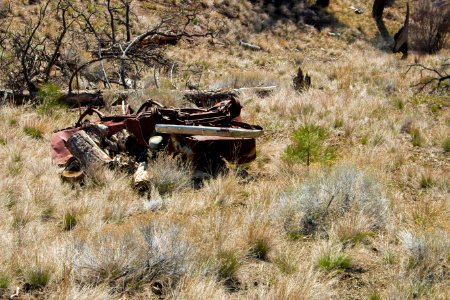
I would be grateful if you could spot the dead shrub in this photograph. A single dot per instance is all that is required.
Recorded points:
(430, 25)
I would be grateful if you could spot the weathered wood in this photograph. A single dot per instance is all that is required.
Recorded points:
(209, 98)
(250, 46)
(83, 99)
(83, 147)
(142, 176)
(208, 131)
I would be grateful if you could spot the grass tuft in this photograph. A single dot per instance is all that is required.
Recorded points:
(329, 262)
(259, 248)
(5, 281)
(39, 278)
(69, 221)
(33, 132)
(416, 137)
(228, 265)
(446, 145)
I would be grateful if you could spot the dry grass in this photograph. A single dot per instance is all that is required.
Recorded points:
(384, 232)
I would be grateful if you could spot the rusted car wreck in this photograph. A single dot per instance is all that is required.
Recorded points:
(207, 137)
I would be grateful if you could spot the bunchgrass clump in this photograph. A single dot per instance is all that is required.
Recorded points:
(374, 296)
(426, 182)
(259, 248)
(416, 137)
(310, 144)
(228, 265)
(169, 174)
(330, 262)
(446, 145)
(33, 132)
(38, 278)
(284, 265)
(5, 281)
(69, 221)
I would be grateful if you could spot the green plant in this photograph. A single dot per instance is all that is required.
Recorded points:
(228, 264)
(338, 123)
(309, 145)
(4, 281)
(259, 249)
(294, 235)
(398, 103)
(39, 278)
(69, 221)
(282, 262)
(340, 262)
(33, 132)
(3, 141)
(375, 296)
(416, 137)
(389, 257)
(49, 96)
(426, 181)
(446, 145)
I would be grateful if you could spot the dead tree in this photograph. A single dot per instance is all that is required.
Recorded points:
(322, 3)
(378, 8)
(131, 53)
(401, 37)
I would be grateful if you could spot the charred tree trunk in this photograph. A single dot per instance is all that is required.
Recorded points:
(127, 21)
(378, 8)
(322, 3)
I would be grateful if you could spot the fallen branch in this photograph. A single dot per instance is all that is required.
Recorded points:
(250, 46)
(439, 75)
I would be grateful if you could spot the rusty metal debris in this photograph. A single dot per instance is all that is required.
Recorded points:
(207, 137)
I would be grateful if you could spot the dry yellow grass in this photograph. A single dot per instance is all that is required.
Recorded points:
(230, 239)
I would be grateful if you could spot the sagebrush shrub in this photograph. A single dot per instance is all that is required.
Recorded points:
(156, 255)
(311, 207)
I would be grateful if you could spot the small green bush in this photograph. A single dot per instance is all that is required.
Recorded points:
(309, 145)
(49, 96)
(340, 262)
(33, 132)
